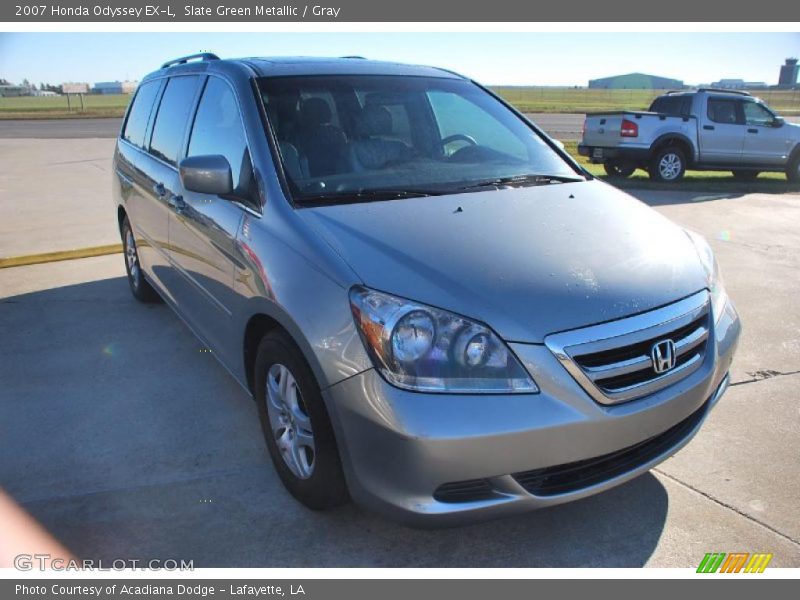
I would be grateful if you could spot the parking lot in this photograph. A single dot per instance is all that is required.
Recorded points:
(128, 441)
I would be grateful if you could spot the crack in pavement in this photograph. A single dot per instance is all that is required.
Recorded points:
(728, 506)
(763, 375)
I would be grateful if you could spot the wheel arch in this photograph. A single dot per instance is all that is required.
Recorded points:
(263, 318)
(675, 139)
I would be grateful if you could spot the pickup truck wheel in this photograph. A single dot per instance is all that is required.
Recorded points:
(619, 169)
(140, 288)
(742, 175)
(793, 169)
(296, 425)
(668, 165)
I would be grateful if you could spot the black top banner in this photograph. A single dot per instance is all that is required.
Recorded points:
(406, 11)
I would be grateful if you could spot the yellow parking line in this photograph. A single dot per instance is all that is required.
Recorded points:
(35, 259)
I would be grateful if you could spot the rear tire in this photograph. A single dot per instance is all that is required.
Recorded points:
(619, 169)
(793, 169)
(140, 287)
(743, 175)
(668, 165)
(296, 424)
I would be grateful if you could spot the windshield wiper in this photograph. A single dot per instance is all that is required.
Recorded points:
(519, 181)
(368, 196)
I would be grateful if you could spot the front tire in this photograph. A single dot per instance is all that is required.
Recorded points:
(668, 165)
(296, 425)
(619, 169)
(140, 287)
(743, 175)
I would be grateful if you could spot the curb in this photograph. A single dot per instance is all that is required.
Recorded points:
(47, 257)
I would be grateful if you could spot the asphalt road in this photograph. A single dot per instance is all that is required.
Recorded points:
(565, 127)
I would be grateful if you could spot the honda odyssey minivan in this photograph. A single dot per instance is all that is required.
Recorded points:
(438, 312)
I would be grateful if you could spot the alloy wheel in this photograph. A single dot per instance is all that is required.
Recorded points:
(289, 422)
(132, 258)
(670, 165)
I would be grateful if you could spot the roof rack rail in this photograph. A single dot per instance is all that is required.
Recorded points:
(724, 91)
(356, 57)
(677, 92)
(203, 56)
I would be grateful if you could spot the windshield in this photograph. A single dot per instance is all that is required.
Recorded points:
(348, 138)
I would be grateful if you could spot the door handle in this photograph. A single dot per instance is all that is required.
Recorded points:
(177, 202)
(160, 190)
(708, 127)
(752, 130)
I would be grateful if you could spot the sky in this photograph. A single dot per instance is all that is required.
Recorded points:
(491, 58)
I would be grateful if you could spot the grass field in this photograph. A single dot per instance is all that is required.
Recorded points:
(704, 181)
(54, 107)
(526, 99)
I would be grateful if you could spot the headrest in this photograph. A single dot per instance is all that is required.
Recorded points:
(374, 120)
(314, 112)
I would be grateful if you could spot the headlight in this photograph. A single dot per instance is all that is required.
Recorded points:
(421, 348)
(713, 275)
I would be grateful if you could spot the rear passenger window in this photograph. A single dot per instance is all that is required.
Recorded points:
(723, 111)
(218, 129)
(173, 114)
(139, 114)
(677, 106)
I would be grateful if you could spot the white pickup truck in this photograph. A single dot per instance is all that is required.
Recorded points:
(706, 129)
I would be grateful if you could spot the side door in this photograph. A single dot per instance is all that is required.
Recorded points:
(204, 227)
(764, 143)
(160, 181)
(721, 132)
(148, 218)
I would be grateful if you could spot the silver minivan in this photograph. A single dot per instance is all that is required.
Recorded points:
(438, 312)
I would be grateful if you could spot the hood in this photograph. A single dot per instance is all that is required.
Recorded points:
(525, 261)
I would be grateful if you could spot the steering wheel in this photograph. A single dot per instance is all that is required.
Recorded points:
(459, 137)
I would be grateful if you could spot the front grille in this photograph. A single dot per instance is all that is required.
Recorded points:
(581, 474)
(464, 491)
(612, 361)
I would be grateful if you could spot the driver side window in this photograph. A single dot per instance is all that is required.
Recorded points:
(467, 124)
(755, 114)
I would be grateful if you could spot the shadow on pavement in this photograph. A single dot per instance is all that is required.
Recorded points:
(128, 441)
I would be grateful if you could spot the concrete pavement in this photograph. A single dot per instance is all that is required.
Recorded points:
(55, 195)
(127, 441)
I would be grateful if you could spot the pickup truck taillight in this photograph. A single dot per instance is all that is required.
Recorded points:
(629, 129)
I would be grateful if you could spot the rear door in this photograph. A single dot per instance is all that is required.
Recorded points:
(721, 131)
(764, 144)
(203, 228)
(148, 219)
(160, 177)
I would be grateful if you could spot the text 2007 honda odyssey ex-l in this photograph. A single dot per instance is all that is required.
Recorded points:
(438, 312)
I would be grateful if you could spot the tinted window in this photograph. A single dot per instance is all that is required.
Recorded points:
(755, 114)
(723, 111)
(358, 138)
(678, 106)
(173, 113)
(139, 115)
(218, 129)
(462, 123)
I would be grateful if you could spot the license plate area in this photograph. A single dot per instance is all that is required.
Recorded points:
(597, 153)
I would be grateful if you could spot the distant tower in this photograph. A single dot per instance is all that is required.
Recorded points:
(788, 76)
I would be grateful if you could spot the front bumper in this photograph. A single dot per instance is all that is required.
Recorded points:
(399, 447)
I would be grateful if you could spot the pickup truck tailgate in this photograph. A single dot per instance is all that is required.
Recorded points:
(602, 130)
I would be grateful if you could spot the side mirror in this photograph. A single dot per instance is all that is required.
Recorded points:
(207, 174)
(778, 122)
